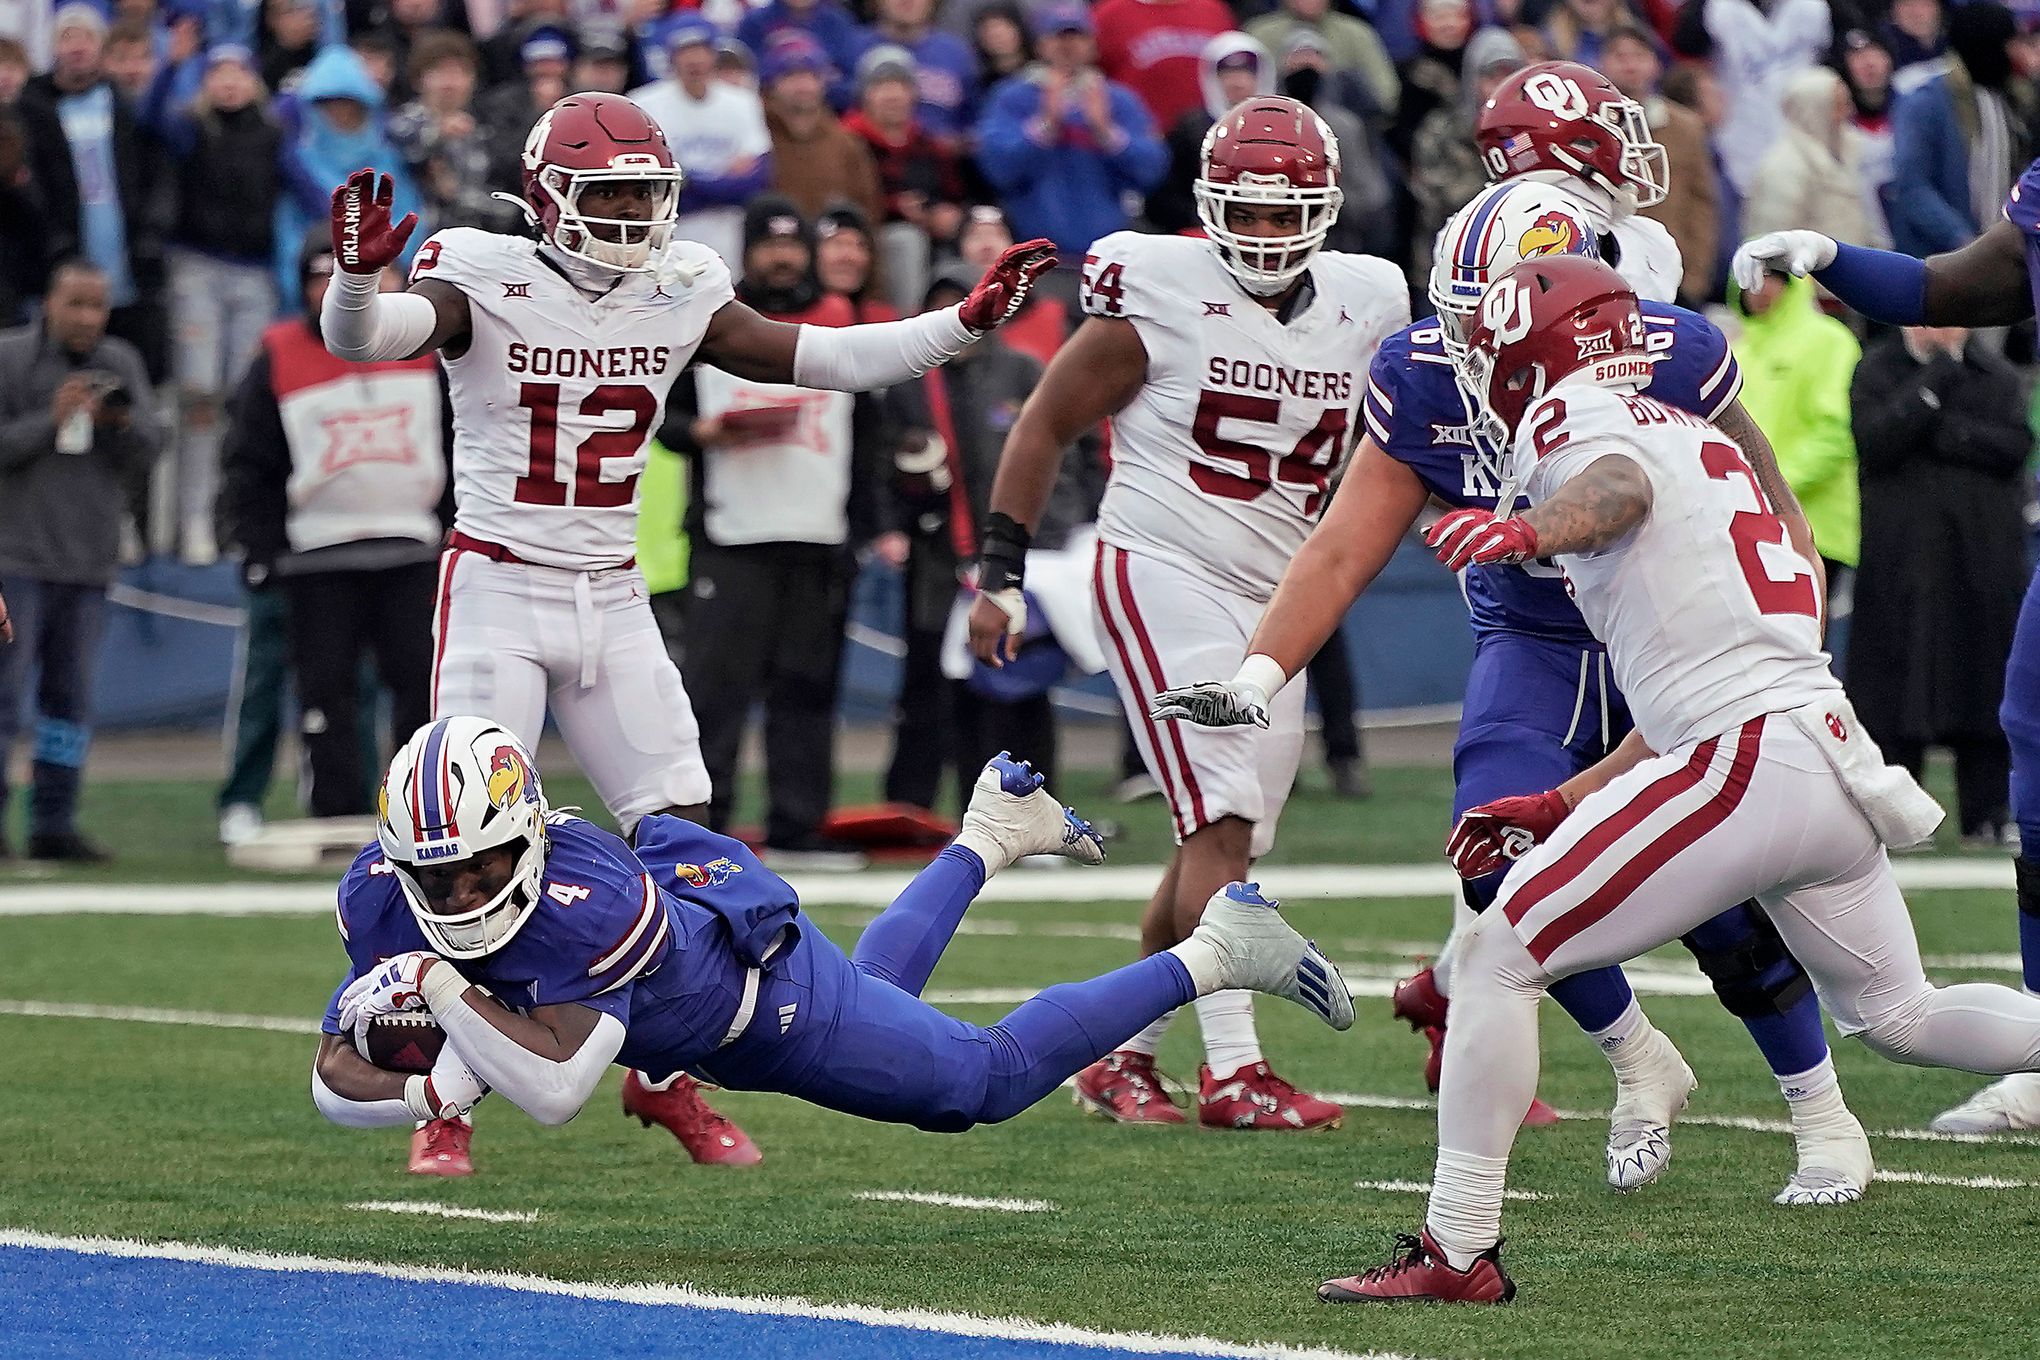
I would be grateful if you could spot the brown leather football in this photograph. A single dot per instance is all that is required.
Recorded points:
(405, 1041)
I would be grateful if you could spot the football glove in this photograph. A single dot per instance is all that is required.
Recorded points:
(1475, 538)
(1501, 832)
(1213, 703)
(391, 986)
(449, 1090)
(364, 242)
(1006, 284)
(1792, 253)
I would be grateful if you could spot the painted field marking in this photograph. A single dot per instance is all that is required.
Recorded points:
(420, 1206)
(1424, 1188)
(1129, 884)
(683, 1296)
(1961, 1182)
(156, 1015)
(1004, 1206)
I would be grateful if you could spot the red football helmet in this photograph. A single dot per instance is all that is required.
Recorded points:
(1562, 118)
(1543, 321)
(1269, 150)
(591, 138)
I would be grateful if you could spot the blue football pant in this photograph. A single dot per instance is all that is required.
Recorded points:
(1539, 712)
(851, 1033)
(2020, 714)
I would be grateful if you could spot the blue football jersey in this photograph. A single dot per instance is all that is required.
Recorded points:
(658, 948)
(1414, 412)
(2022, 210)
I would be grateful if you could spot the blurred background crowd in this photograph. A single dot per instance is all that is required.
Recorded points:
(165, 168)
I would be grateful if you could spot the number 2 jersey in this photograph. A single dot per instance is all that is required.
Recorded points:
(1414, 413)
(557, 394)
(1223, 460)
(1709, 615)
(661, 937)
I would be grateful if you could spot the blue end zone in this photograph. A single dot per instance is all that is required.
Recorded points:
(68, 1304)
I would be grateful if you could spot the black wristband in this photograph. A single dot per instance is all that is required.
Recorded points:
(1002, 555)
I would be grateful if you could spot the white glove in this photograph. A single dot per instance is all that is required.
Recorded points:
(389, 987)
(451, 1089)
(1214, 703)
(1780, 252)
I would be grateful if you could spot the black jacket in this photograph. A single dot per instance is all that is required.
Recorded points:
(138, 167)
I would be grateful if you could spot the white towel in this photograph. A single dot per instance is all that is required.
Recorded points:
(1901, 812)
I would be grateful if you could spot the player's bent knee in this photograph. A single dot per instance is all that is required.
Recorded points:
(1896, 1033)
(1754, 976)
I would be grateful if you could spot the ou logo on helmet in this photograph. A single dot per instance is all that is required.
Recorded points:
(1505, 312)
(1555, 94)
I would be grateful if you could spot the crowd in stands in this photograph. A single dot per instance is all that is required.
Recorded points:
(176, 154)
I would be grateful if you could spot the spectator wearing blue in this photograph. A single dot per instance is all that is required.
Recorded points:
(717, 132)
(291, 36)
(839, 35)
(1956, 138)
(225, 145)
(945, 69)
(339, 111)
(1063, 145)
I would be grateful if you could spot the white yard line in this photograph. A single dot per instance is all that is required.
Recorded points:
(1004, 1206)
(427, 1207)
(1962, 1182)
(156, 1015)
(683, 1296)
(1424, 1188)
(1128, 883)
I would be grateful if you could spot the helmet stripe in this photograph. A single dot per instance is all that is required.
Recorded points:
(1473, 236)
(430, 778)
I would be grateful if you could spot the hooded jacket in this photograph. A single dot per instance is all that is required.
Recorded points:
(318, 157)
(1172, 206)
(1797, 362)
(1813, 176)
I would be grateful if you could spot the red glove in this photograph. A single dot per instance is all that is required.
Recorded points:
(1004, 287)
(364, 242)
(1475, 538)
(1503, 831)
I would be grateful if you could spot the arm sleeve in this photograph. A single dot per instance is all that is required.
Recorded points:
(1883, 285)
(550, 1092)
(363, 324)
(357, 1114)
(878, 354)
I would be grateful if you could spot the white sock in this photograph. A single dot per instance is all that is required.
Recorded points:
(1200, 958)
(665, 1085)
(1465, 1217)
(985, 848)
(1815, 1096)
(1149, 1039)
(1230, 1040)
(1628, 1041)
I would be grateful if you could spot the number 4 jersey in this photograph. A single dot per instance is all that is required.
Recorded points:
(557, 393)
(1224, 459)
(1709, 615)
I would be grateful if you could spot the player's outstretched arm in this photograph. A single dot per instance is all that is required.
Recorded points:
(877, 354)
(546, 1063)
(1091, 379)
(350, 1090)
(1592, 509)
(1982, 284)
(359, 321)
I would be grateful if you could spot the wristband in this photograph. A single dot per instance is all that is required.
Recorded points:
(1263, 673)
(441, 985)
(1002, 560)
(417, 1098)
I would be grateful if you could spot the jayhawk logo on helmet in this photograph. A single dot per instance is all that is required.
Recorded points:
(1553, 233)
(382, 801)
(509, 778)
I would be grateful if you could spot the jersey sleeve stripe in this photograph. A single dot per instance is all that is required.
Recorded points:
(647, 912)
(1718, 377)
(644, 961)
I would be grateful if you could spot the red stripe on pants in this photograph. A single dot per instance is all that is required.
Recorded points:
(1133, 678)
(1159, 683)
(444, 606)
(1653, 857)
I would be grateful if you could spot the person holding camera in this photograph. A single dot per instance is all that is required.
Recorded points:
(77, 422)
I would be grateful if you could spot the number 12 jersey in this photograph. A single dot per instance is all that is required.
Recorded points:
(557, 394)
(1224, 459)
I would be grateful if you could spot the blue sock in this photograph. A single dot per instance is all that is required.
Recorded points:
(1058, 1033)
(905, 942)
(1792, 1042)
(1594, 1000)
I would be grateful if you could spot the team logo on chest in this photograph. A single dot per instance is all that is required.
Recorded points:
(516, 290)
(1218, 309)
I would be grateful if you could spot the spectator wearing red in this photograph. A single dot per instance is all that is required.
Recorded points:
(1152, 47)
(1043, 321)
(920, 174)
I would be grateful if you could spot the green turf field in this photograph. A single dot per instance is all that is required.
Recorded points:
(206, 1134)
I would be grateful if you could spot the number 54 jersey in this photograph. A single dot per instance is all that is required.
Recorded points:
(557, 394)
(1710, 616)
(1224, 459)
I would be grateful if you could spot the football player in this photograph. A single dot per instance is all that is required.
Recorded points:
(546, 949)
(1230, 368)
(559, 353)
(1992, 281)
(1748, 774)
(1540, 705)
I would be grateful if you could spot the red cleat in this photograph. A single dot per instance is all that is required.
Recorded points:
(1419, 1273)
(710, 1139)
(439, 1147)
(1418, 1000)
(1125, 1088)
(1255, 1098)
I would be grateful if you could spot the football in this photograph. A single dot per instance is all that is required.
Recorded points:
(406, 1041)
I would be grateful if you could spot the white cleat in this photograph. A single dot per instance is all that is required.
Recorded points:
(1259, 950)
(1640, 1126)
(1010, 809)
(2005, 1106)
(1835, 1166)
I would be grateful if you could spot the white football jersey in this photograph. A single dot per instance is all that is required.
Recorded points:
(1646, 256)
(1709, 615)
(1224, 459)
(556, 395)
